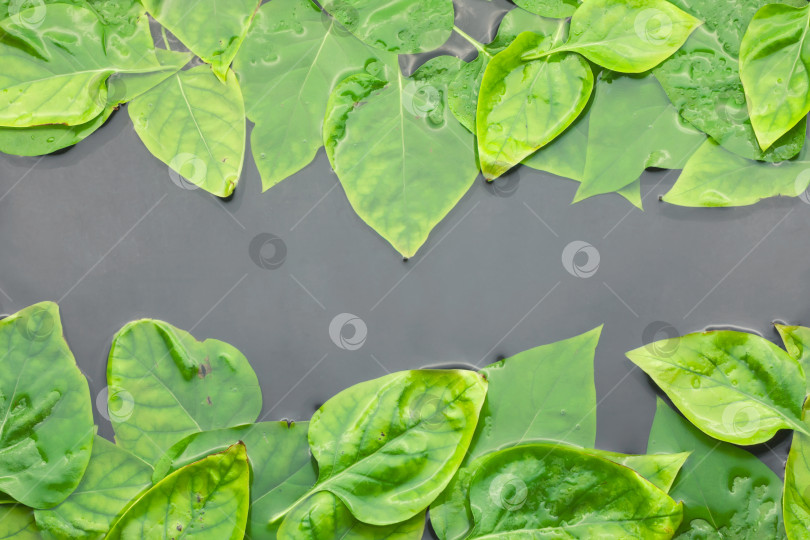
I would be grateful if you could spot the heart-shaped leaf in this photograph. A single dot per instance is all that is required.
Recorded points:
(402, 159)
(397, 26)
(797, 344)
(524, 105)
(213, 29)
(196, 125)
(389, 446)
(796, 496)
(726, 491)
(324, 516)
(46, 432)
(165, 385)
(734, 386)
(304, 53)
(775, 69)
(113, 478)
(207, 500)
(714, 176)
(555, 491)
(17, 523)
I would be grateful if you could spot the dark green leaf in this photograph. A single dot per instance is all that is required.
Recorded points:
(165, 385)
(207, 500)
(401, 157)
(196, 125)
(46, 432)
(734, 386)
(389, 446)
(796, 496)
(726, 492)
(113, 478)
(523, 106)
(775, 70)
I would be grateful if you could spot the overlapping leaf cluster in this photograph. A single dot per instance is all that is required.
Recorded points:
(595, 91)
(505, 451)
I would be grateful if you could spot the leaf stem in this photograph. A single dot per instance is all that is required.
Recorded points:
(478, 46)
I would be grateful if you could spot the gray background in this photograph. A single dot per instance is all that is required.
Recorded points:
(102, 229)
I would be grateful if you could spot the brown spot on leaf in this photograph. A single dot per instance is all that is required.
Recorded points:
(204, 369)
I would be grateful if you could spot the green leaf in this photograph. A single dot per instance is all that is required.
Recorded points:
(632, 126)
(389, 446)
(796, 496)
(17, 523)
(523, 106)
(305, 55)
(714, 176)
(726, 491)
(659, 469)
(630, 36)
(550, 8)
(464, 88)
(207, 500)
(213, 30)
(165, 385)
(324, 517)
(703, 79)
(121, 87)
(46, 432)
(403, 160)
(734, 386)
(52, 74)
(196, 125)
(797, 343)
(775, 70)
(554, 491)
(113, 478)
(564, 156)
(278, 453)
(397, 26)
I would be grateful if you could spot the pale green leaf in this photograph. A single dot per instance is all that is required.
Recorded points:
(17, 523)
(550, 8)
(797, 343)
(796, 496)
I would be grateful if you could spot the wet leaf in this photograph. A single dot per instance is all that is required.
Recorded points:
(796, 497)
(629, 36)
(324, 516)
(281, 465)
(387, 447)
(726, 491)
(207, 500)
(714, 176)
(397, 26)
(550, 8)
(113, 478)
(734, 386)
(559, 491)
(775, 69)
(659, 469)
(46, 435)
(797, 343)
(55, 73)
(305, 54)
(196, 125)
(703, 79)
(524, 105)
(213, 29)
(17, 523)
(165, 385)
(402, 159)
